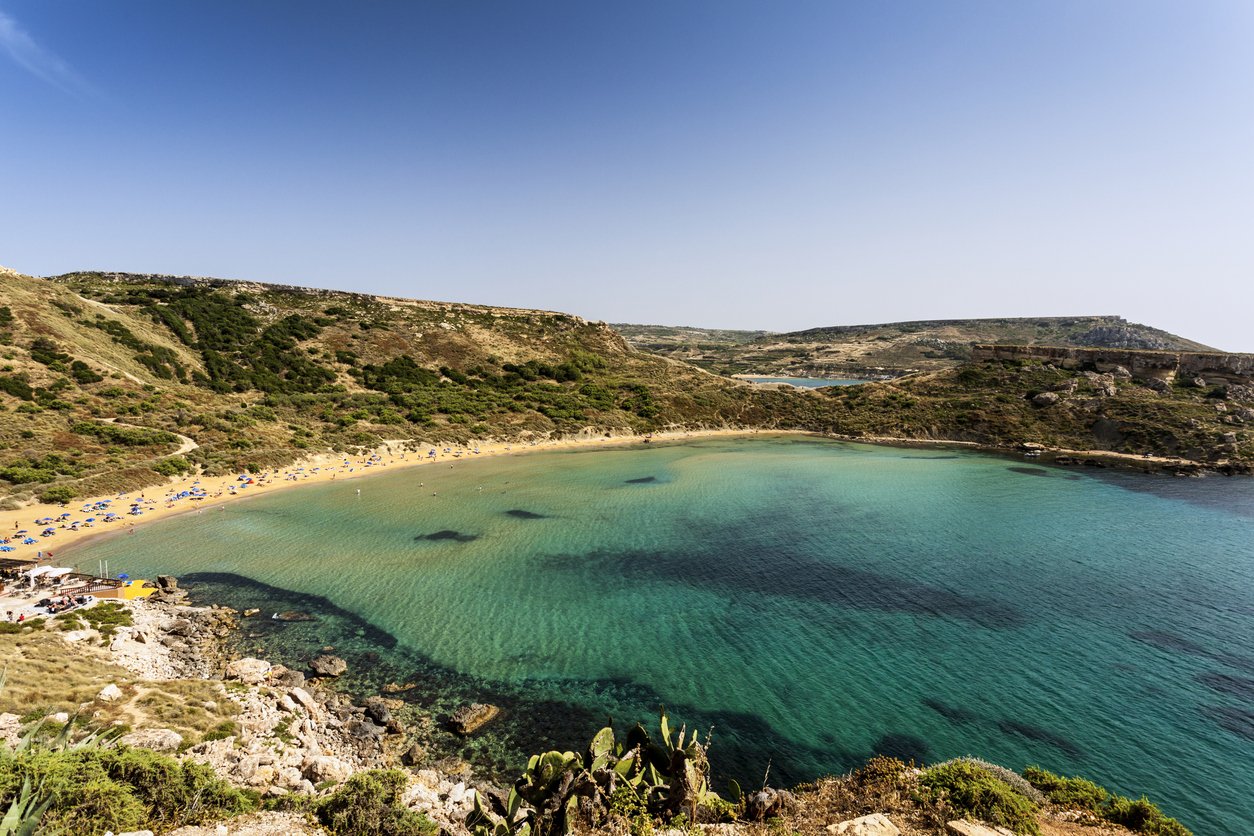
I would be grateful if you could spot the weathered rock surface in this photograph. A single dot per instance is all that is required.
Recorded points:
(110, 693)
(876, 824)
(158, 740)
(768, 803)
(320, 768)
(470, 718)
(249, 671)
(328, 665)
(962, 827)
(1045, 399)
(257, 824)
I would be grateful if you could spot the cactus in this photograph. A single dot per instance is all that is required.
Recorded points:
(667, 779)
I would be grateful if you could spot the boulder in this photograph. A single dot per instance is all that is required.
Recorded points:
(167, 582)
(1045, 399)
(414, 755)
(302, 698)
(249, 671)
(876, 824)
(377, 710)
(110, 693)
(768, 803)
(328, 665)
(470, 718)
(180, 627)
(320, 768)
(285, 677)
(1157, 384)
(363, 729)
(962, 827)
(1120, 373)
(158, 740)
(250, 612)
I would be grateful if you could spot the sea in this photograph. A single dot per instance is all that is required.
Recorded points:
(806, 382)
(808, 602)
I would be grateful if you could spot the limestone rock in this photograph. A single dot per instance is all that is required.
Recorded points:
(962, 827)
(167, 582)
(328, 665)
(378, 711)
(768, 803)
(470, 718)
(876, 824)
(10, 728)
(250, 612)
(302, 698)
(158, 740)
(110, 693)
(414, 755)
(285, 677)
(1045, 399)
(1157, 384)
(249, 671)
(319, 768)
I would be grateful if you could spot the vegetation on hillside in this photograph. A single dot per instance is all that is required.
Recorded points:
(102, 376)
(890, 349)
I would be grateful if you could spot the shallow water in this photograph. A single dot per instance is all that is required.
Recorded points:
(814, 601)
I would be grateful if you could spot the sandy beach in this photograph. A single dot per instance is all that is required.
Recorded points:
(199, 493)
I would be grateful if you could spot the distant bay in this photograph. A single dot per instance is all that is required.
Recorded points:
(814, 601)
(806, 382)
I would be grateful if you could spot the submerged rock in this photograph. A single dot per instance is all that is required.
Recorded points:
(328, 665)
(470, 718)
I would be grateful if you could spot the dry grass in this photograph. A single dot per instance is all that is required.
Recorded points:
(47, 675)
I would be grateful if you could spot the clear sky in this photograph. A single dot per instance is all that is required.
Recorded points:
(772, 164)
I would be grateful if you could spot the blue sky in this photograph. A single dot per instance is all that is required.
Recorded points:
(774, 165)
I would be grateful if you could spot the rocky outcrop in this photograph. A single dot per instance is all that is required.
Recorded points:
(328, 665)
(876, 824)
(158, 740)
(470, 718)
(962, 827)
(1213, 368)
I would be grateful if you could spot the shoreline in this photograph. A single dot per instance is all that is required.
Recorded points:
(323, 467)
(326, 467)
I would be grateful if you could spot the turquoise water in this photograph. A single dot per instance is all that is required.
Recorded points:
(806, 382)
(814, 601)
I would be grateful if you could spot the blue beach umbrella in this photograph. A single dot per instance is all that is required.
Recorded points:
(7, 549)
(29, 541)
(124, 577)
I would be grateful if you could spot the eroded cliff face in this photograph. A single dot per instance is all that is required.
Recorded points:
(1163, 365)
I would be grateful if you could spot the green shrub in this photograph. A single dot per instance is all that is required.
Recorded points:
(369, 804)
(1140, 816)
(92, 790)
(1067, 792)
(971, 790)
(172, 466)
(57, 495)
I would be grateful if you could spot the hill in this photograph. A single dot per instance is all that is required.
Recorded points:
(243, 375)
(111, 382)
(889, 349)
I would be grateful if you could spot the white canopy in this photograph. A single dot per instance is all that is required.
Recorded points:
(58, 572)
(37, 571)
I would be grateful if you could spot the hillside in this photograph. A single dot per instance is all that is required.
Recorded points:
(890, 349)
(252, 375)
(112, 381)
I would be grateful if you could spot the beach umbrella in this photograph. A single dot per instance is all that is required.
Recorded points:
(23, 531)
(7, 549)
(29, 541)
(91, 519)
(124, 577)
(64, 517)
